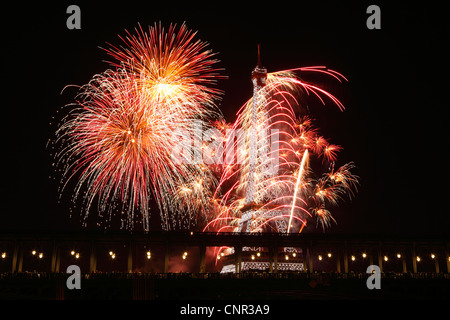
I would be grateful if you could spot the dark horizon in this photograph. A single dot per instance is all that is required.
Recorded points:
(392, 128)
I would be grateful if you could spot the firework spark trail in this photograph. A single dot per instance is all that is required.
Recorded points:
(122, 138)
(299, 178)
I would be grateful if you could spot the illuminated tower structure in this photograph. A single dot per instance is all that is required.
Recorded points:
(259, 170)
(258, 141)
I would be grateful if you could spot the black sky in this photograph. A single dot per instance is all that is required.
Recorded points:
(394, 127)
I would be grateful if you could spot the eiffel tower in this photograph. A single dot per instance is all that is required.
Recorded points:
(260, 170)
(259, 148)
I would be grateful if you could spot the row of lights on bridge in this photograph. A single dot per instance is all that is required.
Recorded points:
(329, 255)
(76, 255)
(112, 254)
(385, 258)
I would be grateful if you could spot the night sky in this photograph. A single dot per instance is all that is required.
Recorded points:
(394, 127)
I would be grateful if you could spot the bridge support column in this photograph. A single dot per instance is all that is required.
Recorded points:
(345, 257)
(309, 259)
(130, 256)
(270, 260)
(306, 259)
(338, 261)
(55, 257)
(436, 264)
(380, 256)
(238, 258)
(275, 259)
(447, 257)
(17, 256)
(403, 253)
(93, 258)
(202, 258)
(414, 257)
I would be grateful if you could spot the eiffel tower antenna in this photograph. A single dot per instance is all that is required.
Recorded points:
(259, 57)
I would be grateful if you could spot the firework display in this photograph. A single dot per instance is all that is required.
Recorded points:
(149, 128)
(272, 187)
(275, 189)
(131, 133)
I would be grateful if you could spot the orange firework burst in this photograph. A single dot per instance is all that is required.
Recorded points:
(132, 134)
(175, 67)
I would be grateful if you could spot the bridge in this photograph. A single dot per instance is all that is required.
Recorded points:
(341, 251)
